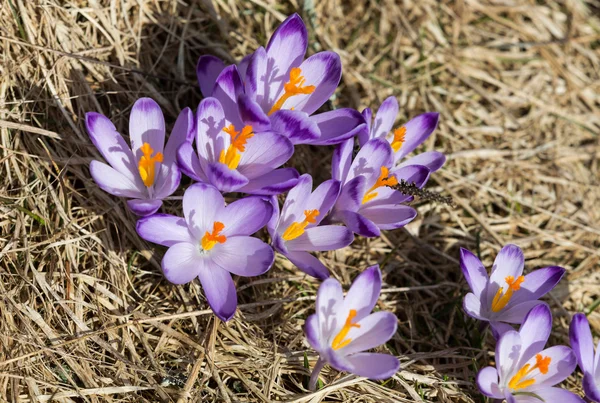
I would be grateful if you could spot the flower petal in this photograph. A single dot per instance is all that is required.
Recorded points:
(210, 138)
(553, 395)
(516, 313)
(582, 342)
(499, 328)
(219, 290)
(308, 264)
(326, 237)
(359, 224)
(537, 284)
(167, 181)
(295, 202)
(146, 125)
(412, 174)
(207, 70)
(474, 272)
(418, 130)
(144, 207)
(385, 118)
(562, 364)
(374, 331)
(342, 159)
(182, 263)
(264, 152)
(535, 331)
(388, 217)
(373, 365)
(273, 183)
(487, 382)
(509, 262)
(112, 181)
(296, 126)
(261, 84)
(369, 160)
(164, 229)
(365, 134)
(323, 198)
(224, 178)
(473, 308)
(363, 293)
(246, 216)
(508, 353)
(243, 255)
(253, 115)
(183, 131)
(228, 88)
(330, 298)
(590, 387)
(311, 330)
(202, 206)
(352, 194)
(337, 126)
(433, 160)
(188, 163)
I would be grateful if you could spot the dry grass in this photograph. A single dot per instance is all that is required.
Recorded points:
(85, 313)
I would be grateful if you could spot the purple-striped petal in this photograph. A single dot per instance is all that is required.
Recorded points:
(325, 237)
(330, 298)
(375, 366)
(207, 70)
(487, 382)
(210, 138)
(243, 66)
(388, 217)
(219, 290)
(246, 216)
(272, 183)
(296, 126)
(202, 206)
(144, 207)
(508, 351)
(243, 255)
(253, 115)
(341, 161)
(352, 194)
(295, 202)
(374, 331)
(146, 125)
(182, 263)
(308, 264)
(261, 85)
(433, 160)
(287, 45)
(264, 152)
(363, 294)
(228, 88)
(272, 223)
(164, 229)
(509, 262)
(188, 162)
(225, 179)
(385, 118)
(359, 224)
(337, 126)
(562, 364)
(537, 284)
(418, 130)
(474, 272)
(591, 387)
(369, 160)
(323, 198)
(582, 342)
(365, 135)
(472, 307)
(311, 330)
(114, 182)
(535, 331)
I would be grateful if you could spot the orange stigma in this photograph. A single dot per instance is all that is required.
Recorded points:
(501, 298)
(209, 240)
(340, 340)
(147, 164)
(383, 180)
(232, 156)
(517, 382)
(398, 138)
(293, 87)
(297, 228)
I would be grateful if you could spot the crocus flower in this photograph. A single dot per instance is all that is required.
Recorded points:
(507, 295)
(367, 204)
(237, 157)
(583, 346)
(296, 232)
(403, 139)
(146, 172)
(211, 242)
(283, 89)
(343, 328)
(525, 373)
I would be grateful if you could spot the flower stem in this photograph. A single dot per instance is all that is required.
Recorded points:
(314, 376)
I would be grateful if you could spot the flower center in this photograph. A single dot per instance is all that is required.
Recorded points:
(147, 164)
(340, 340)
(517, 382)
(231, 157)
(209, 240)
(383, 180)
(297, 228)
(501, 298)
(293, 87)
(398, 138)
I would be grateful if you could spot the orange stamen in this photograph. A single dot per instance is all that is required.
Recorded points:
(297, 228)
(231, 157)
(383, 180)
(340, 340)
(293, 87)
(147, 164)
(398, 138)
(209, 240)
(517, 382)
(501, 298)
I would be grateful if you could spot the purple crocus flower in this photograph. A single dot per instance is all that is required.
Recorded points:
(343, 328)
(506, 296)
(283, 90)
(524, 372)
(296, 232)
(211, 242)
(367, 204)
(404, 139)
(146, 172)
(240, 157)
(583, 346)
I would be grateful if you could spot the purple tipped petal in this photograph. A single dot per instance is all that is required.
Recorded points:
(208, 69)
(296, 126)
(352, 194)
(273, 183)
(359, 224)
(260, 85)
(590, 387)
(472, 307)
(243, 66)
(535, 331)
(508, 351)
(146, 125)
(228, 88)
(183, 131)
(243, 255)
(337, 126)
(363, 293)
(516, 313)
(509, 262)
(287, 45)
(388, 217)
(326, 237)
(374, 331)
(311, 330)
(308, 264)
(553, 395)
(144, 207)
(371, 157)
(295, 202)
(210, 139)
(433, 160)
(182, 263)
(582, 342)
(246, 216)
(202, 206)
(474, 272)
(272, 223)
(112, 181)
(225, 179)
(538, 283)
(373, 365)
(164, 229)
(385, 118)
(487, 382)
(219, 290)
(562, 364)
(418, 130)
(323, 198)
(253, 115)
(264, 152)
(415, 174)
(188, 163)
(342, 159)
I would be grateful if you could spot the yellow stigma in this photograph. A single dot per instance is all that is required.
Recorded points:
(340, 339)
(232, 156)
(398, 138)
(297, 228)
(293, 87)
(383, 180)
(147, 164)
(501, 298)
(517, 382)
(209, 240)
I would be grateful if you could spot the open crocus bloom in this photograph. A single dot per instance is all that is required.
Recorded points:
(236, 157)
(297, 232)
(506, 296)
(525, 373)
(367, 203)
(211, 243)
(283, 89)
(404, 139)
(147, 172)
(583, 346)
(343, 328)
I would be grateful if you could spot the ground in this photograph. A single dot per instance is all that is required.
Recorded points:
(86, 315)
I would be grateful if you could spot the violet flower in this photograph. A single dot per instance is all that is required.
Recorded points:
(212, 242)
(238, 157)
(506, 296)
(404, 139)
(367, 204)
(343, 328)
(147, 172)
(282, 89)
(524, 372)
(583, 347)
(296, 232)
